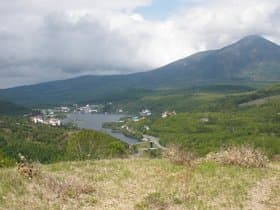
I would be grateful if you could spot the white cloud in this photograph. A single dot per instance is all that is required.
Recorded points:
(44, 40)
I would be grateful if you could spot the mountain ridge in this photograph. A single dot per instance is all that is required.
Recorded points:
(252, 58)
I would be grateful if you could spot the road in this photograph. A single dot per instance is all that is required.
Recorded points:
(155, 141)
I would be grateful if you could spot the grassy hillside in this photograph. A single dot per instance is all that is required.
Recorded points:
(197, 98)
(241, 127)
(141, 184)
(207, 121)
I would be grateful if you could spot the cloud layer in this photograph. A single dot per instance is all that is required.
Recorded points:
(42, 40)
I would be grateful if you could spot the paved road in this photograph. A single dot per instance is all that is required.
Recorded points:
(155, 141)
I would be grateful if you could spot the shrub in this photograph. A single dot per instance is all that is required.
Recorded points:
(6, 162)
(244, 156)
(116, 149)
(177, 155)
(69, 188)
(25, 168)
(89, 144)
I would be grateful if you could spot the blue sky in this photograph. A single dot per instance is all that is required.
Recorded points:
(161, 9)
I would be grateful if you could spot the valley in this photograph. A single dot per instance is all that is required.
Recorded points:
(200, 133)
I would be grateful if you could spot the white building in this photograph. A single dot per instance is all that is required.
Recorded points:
(51, 121)
(65, 109)
(37, 119)
(54, 122)
(145, 113)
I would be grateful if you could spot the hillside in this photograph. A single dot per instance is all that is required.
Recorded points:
(207, 121)
(48, 144)
(251, 60)
(7, 108)
(141, 184)
(197, 98)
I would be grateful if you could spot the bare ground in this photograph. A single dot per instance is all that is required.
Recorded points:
(262, 192)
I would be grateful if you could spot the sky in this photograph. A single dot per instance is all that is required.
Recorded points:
(45, 40)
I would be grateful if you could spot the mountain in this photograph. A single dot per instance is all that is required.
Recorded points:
(252, 59)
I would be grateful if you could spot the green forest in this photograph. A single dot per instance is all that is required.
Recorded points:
(48, 144)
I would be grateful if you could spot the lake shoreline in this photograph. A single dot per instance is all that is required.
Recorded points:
(96, 121)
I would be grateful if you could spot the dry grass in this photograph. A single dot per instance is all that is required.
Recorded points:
(244, 156)
(156, 201)
(132, 184)
(178, 156)
(66, 188)
(272, 201)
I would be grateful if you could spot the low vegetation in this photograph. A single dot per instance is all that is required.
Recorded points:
(244, 156)
(222, 124)
(139, 184)
(93, 145)
(178, 156)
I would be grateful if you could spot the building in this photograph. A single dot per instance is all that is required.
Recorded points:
(50, 121)
(146, 128)
(65, 109)
(54, 122)
(37, 119)
(145, 113)
(135, 119)
(204, 119)
(168, 114)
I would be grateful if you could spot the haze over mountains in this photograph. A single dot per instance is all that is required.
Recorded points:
(252, 59)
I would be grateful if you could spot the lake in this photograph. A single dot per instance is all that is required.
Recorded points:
(95, 122)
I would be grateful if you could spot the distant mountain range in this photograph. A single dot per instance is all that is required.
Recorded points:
(252, 59)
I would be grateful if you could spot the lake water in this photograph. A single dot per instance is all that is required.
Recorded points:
(95, 122)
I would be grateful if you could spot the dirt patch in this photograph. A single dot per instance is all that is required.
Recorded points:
(260, 193)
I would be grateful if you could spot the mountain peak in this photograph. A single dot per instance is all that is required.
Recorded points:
(251, 44)
(253, 37)
(254, 40)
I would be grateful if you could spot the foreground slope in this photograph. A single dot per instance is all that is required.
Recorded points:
(141, 184)
(252, 59)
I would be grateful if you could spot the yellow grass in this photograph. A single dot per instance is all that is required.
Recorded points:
(135, 184)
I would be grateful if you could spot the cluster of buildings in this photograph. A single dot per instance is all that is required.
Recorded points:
(145, 113)
(48, 121)
(142, 115)
(51, 113)
(88, 109)
(72, 108)
(63, 109)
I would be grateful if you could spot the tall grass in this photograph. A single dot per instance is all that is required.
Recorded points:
(245, 156)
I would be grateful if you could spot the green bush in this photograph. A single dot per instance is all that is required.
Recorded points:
(94, 145)
(5, 161)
